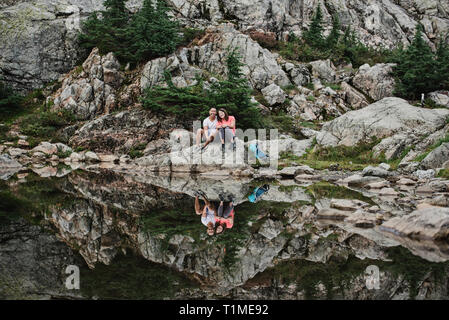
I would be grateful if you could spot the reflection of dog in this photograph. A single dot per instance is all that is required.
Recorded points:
(372, 277)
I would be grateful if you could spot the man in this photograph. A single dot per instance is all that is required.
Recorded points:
(208, 212)
(209, 127)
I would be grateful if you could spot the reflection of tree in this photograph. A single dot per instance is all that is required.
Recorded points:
(132, 277)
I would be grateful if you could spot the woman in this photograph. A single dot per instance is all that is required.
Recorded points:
(226, 123)
(225, 218)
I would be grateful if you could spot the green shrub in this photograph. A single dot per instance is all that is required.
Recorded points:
(190, 34)
(45, 124)
(136, 151)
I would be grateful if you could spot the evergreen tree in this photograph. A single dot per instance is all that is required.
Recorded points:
(109, 32)
(314, 35)
(416, 68)
(148, 34)
(333, 38)
(442, 62)
(152, 31)
(234, 94)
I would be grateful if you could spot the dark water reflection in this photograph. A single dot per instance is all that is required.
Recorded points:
(138, 237)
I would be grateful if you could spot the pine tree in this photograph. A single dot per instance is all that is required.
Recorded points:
(148, 34)
(109, 32)
(333, 38)
(442, 63)
(152, 31)
(416, 68)
(234, 94)
(314, 35)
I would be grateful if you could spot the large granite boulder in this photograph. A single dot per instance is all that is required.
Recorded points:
(437, 157)
(118, 133)
(376, 81)
(261, 67)
(39, 39)
(390, 118)
(90, 89)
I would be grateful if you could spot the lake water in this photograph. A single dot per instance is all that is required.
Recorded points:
(137, 236)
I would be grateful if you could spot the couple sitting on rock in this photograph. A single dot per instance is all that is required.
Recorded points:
(216, 221)
(223, 124)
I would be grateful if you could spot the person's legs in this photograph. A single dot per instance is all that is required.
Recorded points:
(199, 134)
(198, 209)
(211, 138)
(223, 134)
(220, 209)
(228, 210)
(209, 204)
(222, 138)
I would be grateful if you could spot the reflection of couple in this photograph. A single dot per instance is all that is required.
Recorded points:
(223, 124)
(215, 220)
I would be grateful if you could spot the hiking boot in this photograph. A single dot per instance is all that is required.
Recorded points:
(199, 193)
(203, 148)
(223, 148)
(234, 146)
(231, 198)
(221, 197)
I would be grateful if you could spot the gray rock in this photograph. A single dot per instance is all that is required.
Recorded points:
(440, 97)
(7, 162)
(382, 119)
(91, 91)
(376, 81)
(46, 148)
(273, 94)
(376, 172)
(430, 223)
(437, 157)
(261, 67)
(355, 99)
(323, 69)
(424, 174)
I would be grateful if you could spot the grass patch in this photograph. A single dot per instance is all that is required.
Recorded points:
(340, 157)
(421, 157)
(136, 151)
(444, 173)
(323, 189)
(333, 86)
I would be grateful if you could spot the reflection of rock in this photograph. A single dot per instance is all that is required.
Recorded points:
(88, 227)
(33, 263)
(431, 223)
(8, 166)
